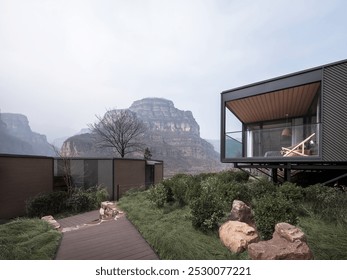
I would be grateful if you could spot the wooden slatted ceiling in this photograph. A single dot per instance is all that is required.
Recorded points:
(294, 101)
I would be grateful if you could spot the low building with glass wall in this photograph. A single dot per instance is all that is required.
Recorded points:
(292, 122)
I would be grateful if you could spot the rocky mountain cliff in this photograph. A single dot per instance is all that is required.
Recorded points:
(16, 137)
(173, 136)
(161, 115)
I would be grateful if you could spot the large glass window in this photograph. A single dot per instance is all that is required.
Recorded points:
(282, 140)
(284, 123)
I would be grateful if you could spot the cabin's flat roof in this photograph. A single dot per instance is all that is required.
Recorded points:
(289, 80)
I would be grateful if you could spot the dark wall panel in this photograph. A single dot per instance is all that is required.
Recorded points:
(334, 113)
(20, 179)
(128, 174)
(158, 173)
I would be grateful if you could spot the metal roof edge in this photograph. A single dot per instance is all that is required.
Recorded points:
(285, 76)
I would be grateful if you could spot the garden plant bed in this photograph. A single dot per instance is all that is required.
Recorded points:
(168, 226)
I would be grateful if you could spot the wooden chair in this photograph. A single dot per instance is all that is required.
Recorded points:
(298, 149)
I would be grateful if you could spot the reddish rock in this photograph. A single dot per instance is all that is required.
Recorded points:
(287, 243)
(289, 232)
(236, 235)
(242, 213)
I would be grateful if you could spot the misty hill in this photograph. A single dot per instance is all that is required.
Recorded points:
(58, 142)
(16, 137)
(215, 143)
(173, 136)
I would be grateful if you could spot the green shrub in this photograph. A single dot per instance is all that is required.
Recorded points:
(168, 185)
(273, 209)
(157, 194)
(194, 189)
(231, 175)
(234, 190)
(86, 199)
(98, 194)
(46, 204)
(179, 187)
(80, 200)
(312, 192)
(261, 187)
(207, 209)
(327, 202)
(291, 191)
(182, 188)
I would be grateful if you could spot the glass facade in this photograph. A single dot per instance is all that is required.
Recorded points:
(296, 136)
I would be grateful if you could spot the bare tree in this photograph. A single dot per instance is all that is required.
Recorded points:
(147, 154)
(66, 165)
(120, 130)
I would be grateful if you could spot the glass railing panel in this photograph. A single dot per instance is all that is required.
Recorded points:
(233, 144)
(288, 141)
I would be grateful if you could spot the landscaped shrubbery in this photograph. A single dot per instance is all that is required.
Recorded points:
(270, 210)
(327, 203)
(44, 204)
(205, 202)
(210, 197)
(208, 208)
(79, 200)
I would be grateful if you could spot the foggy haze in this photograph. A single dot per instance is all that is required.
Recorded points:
(62, 62)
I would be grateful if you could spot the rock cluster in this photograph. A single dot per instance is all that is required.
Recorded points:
(108, 210)
(240, 234)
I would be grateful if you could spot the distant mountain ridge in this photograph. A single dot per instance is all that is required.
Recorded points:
(16, 137)
(173, 136)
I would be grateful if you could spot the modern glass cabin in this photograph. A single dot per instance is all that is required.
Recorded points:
(297, 121)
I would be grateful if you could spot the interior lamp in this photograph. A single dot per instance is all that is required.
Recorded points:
(286, 131)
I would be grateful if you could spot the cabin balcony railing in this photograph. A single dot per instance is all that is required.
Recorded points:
(283, 141)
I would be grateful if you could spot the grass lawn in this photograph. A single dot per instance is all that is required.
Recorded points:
(328, 241)
(170, 231)
(171, 234)
(28, 239)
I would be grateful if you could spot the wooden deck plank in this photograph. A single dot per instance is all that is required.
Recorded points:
(107, 248)
(115, 239)
(79, 219)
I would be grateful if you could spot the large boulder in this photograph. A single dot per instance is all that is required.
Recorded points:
(237, 235)
(242, 213)
(288, 243)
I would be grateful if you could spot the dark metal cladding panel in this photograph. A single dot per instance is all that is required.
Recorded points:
(334, 113)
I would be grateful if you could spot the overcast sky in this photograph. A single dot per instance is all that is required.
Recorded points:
(62, 62)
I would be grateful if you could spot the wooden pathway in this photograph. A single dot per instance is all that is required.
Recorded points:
(86, 239)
